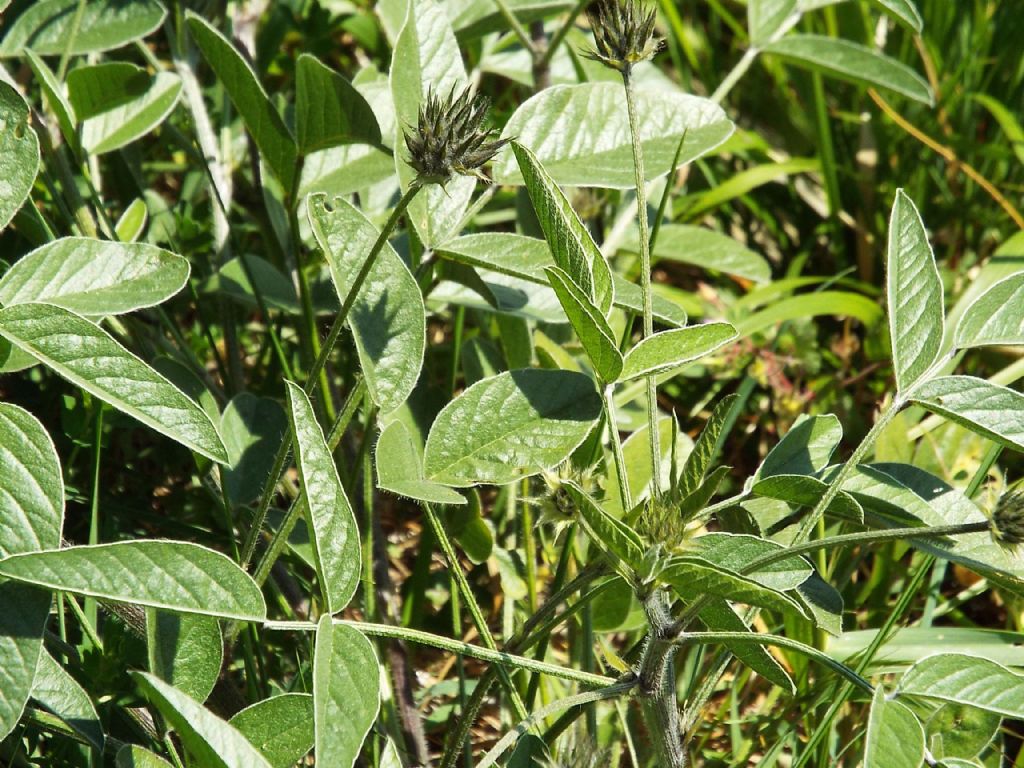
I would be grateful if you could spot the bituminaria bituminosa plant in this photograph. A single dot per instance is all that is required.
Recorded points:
(403, 323)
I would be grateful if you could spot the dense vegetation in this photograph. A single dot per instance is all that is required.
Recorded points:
(352, 411)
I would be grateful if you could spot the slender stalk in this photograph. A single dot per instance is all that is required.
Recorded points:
(517, 27)
(620, 461)
(645, 279)
(556, 41)
(734, 75)
(455, 646)
(474, 608)
(314, 373)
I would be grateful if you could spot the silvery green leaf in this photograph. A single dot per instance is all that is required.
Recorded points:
(46, 27)
(60, 693)
(997, 317)
(581, 135)
(280, 727)
(19, 153)
(963, 679)
(895, 738)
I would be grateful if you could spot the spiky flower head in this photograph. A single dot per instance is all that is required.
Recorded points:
(450, 137)
(623, 32)
(1008, 520)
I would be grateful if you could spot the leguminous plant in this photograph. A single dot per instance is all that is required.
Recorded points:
(511, 383)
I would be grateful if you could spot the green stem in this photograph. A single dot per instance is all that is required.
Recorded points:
(620, 459)
(556, 41)
(734, 75)
(325, 352)
(515, 24)
(455, 646)
(645, 279)
(470, 600)
(849, 467)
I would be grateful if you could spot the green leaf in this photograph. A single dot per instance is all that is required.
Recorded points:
(580, 133)
(98, 88)
(572, 247)
(335, 535)
(853, 62)
(607, 533)
(388, 317)
(1007, 120)
(346, 692)
(695, 577)
(186, 651)
(708, 250)
(823, 602)
(134, 756)
(328, 109)
(472, 19)
(913, 295)
(123, 124)
(210, 740)
(32, 510)
(668, 350)
(806, 491)
(962, 679)
(735, 551)
(400, 468)
(895, 738)
(956, 730)
(132, 222)
(89, 357)
(805, 449)
(988, 409)
(53, 89)
(172, 575)
(511, 426)
(426, 56)
(252, 428)
(527, 257)
(997, 317)
(590, 325)
(698, 499)
(95, 277)
(22, 622)
(807, 305)
(280, 727)
(719, 616)
(902, 10)
(19, 153)
(636, 451)
(467, 526)
(46, 27)
(911, 644)
(766, 17)
(705, 447)
(31, 485)
(746, 181)
(275, 142)
(60, 693)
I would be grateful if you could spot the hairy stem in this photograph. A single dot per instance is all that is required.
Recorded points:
(645, 279)
(620, 460)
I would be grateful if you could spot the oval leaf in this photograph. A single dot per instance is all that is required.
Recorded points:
(275, 142)
(985, 408)
(252, 428)
(335, 535)
(46, 27)
(851, 61)
(708, 250)
(735, 551)
(61, 694)
(185, 650)
(997, 317)
(19, 153)
(212, 741)
(388, 320)
(280, 727)
(86, 355)
(328, 109)
(22, 621)
(134, 756)
(969, 680)
(400, 468)
(694, 577)
(581, 133)
(173, 575)
(95, 277)
(510, 426)
(913, 294)
(346, 692)
(895, 737)
(123, 124)
(668, 350)
(719, 616)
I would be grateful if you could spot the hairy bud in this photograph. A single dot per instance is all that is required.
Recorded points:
(1008, 520)
(623, 33)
